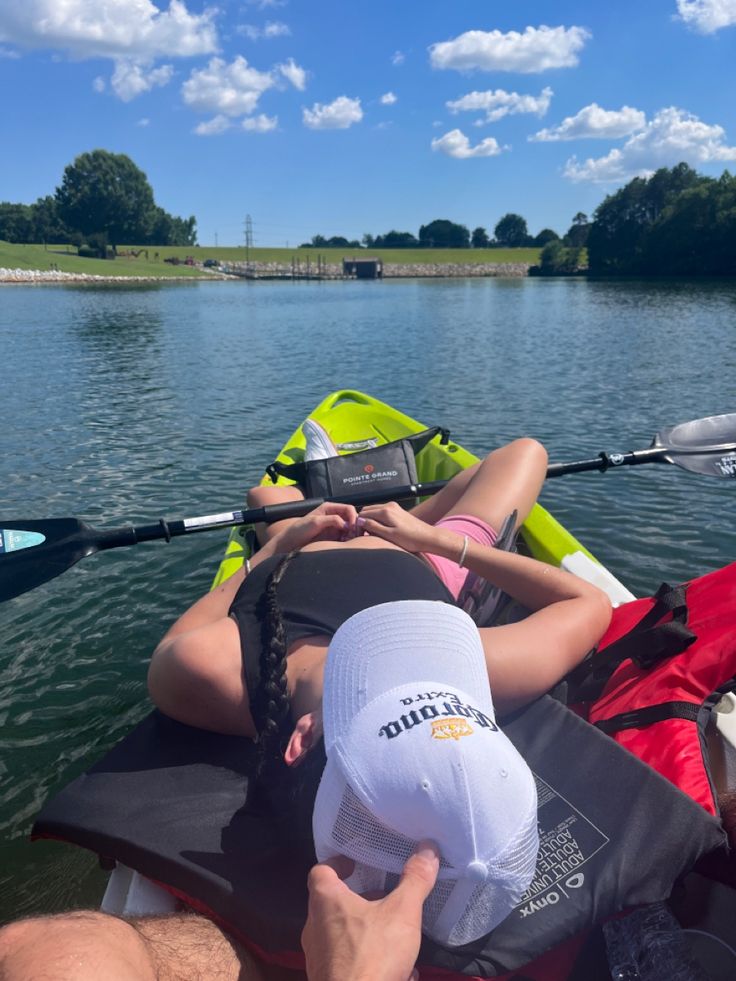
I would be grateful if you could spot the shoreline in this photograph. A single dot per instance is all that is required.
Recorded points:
(272, 270)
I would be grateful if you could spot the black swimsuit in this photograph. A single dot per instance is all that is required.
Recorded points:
(322, 589)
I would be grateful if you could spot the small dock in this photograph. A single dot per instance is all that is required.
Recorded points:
(298, 269)
(308, 268)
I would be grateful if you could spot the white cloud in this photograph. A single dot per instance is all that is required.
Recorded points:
(388, 99)
(143, 122)
(671, 137)
(340, 114)
(213, 127)
(536, 50)
(8, 53)
(260, 124)
(294, 74)
(456, 144)
(398, 58)
(707, 16)
(593, 123)
(269, 30)
(265, 4)
(134, 29)
(498, 104)
(226, 89)
(131, 79)
(99, 84)
(133, 33)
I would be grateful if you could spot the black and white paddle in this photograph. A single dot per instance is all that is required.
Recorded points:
(33, 551)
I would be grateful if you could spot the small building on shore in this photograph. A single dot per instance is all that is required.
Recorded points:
(363, 268)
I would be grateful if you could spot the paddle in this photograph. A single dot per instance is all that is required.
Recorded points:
(34, 551)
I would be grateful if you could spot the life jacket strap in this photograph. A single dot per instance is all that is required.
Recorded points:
(642, 717)
(647, 643)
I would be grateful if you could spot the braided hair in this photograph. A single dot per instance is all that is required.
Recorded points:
(287, 793)
(270, 704)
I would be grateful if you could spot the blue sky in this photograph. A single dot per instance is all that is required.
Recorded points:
(345, 118)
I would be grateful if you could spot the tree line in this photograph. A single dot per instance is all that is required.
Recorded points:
(103, 200)
(676, 222)
(510, 232)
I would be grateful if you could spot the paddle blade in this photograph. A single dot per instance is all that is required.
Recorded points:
(32, 552)
(705, 446)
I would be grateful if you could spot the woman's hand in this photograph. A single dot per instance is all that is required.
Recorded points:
(330, 522)
(392, 523)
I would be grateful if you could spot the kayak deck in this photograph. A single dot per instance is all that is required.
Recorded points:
(354, 420)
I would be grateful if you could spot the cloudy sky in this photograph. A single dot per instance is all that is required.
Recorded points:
(344, 118)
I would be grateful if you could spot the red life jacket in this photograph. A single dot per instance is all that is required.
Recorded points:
(660, 669)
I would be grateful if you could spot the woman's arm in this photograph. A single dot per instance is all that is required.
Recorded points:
(534, 584)
(524, 659)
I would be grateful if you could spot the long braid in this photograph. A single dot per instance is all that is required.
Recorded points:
(286, 793)
(271, 701)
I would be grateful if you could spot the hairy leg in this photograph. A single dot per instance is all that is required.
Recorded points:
(262, 496)
(91, 946)
(510, 478)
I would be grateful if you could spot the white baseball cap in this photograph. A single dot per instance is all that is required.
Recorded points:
(414, 752)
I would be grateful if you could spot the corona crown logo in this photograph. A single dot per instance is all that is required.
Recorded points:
(451, 729)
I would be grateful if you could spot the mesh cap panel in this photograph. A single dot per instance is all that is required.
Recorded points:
(380, 854)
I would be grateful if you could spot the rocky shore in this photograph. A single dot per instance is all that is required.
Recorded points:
(33, 276)
(456, 270)
(434, 270)
(275, 270)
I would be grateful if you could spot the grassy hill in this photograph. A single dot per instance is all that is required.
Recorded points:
(64, 258)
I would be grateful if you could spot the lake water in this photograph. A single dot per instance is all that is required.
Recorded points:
(126, 403)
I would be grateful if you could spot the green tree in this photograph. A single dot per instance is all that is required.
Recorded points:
(395, 240)
(545, 236)
(621, 224)
(16, 222)
(556, 259)
(696, 233)
(47, 224)
(479, 239)
(577, 233)
(444, 234)
(166, 229)
(511, 231)
(104, 193)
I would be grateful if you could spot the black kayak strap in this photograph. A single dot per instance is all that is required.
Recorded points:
(647, 643)
(417, 441)
(642, 717)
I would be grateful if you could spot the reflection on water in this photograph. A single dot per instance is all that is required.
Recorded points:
(126, 403)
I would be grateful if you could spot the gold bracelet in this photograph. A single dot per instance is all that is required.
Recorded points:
(464, 551)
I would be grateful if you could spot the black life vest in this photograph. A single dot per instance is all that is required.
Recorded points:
(172, 802)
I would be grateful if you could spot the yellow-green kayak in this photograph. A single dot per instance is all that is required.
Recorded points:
(352, 418)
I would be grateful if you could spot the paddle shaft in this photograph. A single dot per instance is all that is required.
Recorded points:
(604, 461)
(118, 537)
(101, 540)
(269, 513)
(34, 551)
